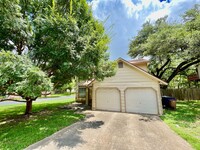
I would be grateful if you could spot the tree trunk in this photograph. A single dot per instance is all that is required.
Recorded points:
(28, 106)
(45, 93)
(70, 91)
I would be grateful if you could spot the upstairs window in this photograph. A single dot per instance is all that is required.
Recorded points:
(120, 64)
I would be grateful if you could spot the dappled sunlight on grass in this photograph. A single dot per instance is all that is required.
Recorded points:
(47, 118)
(18, 110)
(185, 120)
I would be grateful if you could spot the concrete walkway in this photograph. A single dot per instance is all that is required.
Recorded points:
(114, 131)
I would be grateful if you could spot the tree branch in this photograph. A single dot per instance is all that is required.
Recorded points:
(181, 67)
(153, 73)
(161, 74)
(189, 64)
(159, 71)
(165, 64)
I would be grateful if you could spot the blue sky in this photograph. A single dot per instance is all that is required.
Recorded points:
(124, 18)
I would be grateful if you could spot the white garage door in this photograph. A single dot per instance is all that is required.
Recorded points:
(141, 100)
(108, 99)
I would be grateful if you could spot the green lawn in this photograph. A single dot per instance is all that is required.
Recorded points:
(18, 132)
(185, 121)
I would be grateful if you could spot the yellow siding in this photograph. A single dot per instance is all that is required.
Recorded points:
(128, 74)
(124, 78)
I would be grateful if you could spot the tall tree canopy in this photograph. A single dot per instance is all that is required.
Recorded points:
(14, 28)
(62, 38)
(172, 48)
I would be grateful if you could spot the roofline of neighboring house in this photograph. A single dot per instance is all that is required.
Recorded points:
(139, 61)
(132, 65)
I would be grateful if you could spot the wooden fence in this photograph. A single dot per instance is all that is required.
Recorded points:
(182, 94)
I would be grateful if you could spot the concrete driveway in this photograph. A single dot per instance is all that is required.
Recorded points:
(114, 131)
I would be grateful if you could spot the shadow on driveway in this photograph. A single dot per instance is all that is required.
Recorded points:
(149, 118)
(68, 137)
(72, 137)
(114, 131)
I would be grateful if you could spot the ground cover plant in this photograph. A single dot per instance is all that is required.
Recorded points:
(185, 121)
(18, 132)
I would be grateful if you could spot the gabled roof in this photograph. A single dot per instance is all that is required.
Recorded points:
(86, 83)
(141, 70)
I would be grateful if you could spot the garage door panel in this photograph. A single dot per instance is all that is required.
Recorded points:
(141, 100)
(108, 99)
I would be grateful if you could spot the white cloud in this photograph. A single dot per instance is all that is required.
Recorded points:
(131, 8)
(134, 9)
(158, 14)
(154, 3)
(173, 9)
(127, 17)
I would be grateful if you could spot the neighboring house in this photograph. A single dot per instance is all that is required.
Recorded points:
(132, 89)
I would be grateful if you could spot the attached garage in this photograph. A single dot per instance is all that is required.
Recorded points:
(108, 99)
(132, 89)
(141, 100)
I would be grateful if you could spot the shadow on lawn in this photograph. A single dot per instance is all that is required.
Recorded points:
(12, 114)
(15, 114)
(188, 111)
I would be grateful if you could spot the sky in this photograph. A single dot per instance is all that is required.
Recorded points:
(124, 18)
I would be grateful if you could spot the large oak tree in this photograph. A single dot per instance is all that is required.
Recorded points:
(62, 38)
(172, 48)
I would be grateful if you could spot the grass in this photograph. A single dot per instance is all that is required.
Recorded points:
(185, 121)
(18, 132)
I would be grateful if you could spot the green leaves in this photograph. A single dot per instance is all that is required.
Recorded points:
(70, 43)
(172, 48)
(14, 28)
(61, 37)
(20, 76)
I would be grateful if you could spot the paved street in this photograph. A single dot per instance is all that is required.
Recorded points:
(38, 100)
